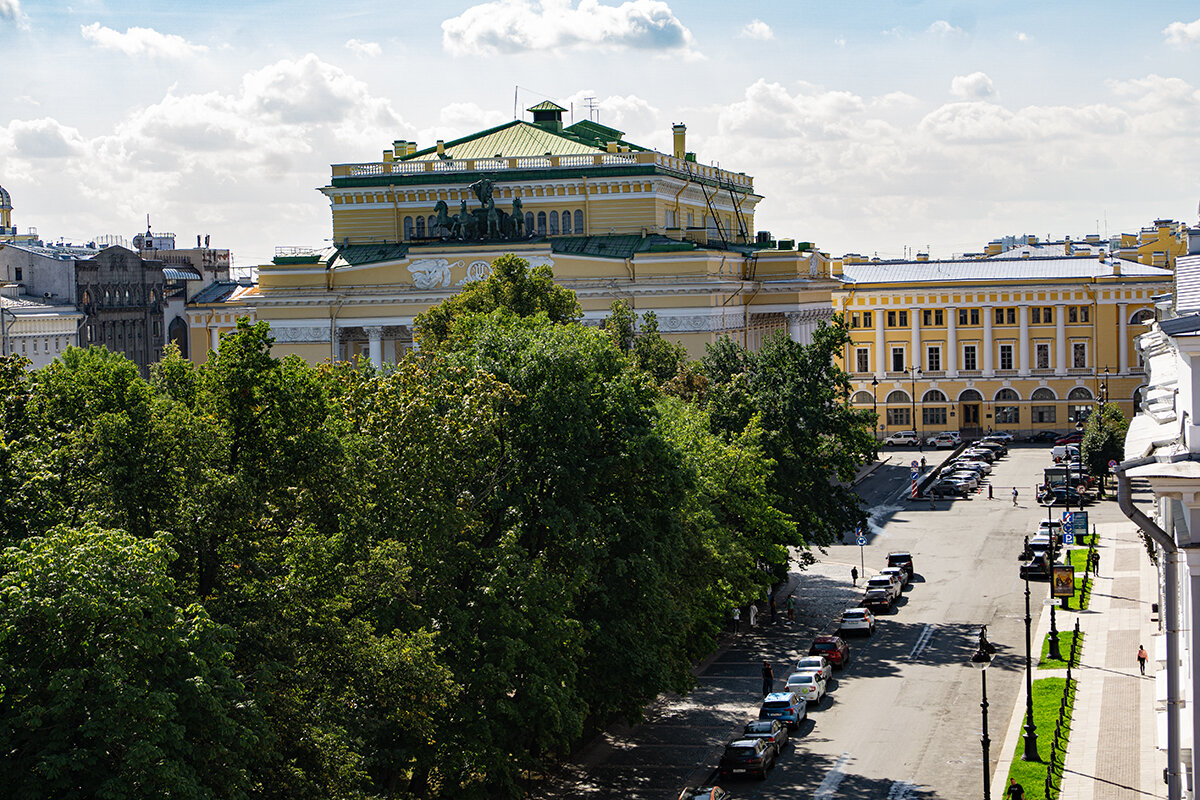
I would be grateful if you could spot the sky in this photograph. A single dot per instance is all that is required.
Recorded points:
(881, 128)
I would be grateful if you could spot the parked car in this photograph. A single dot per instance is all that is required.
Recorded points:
(901, 558)
(999, 436)
(878, 601)
(1036, 567)
(809, 685)
(901, 574)
(705, 793)
(968, 478)
(1062, 495)
(859, 620)
(948, 488)
(902, 438)
(818, 663)
(1042, 437)
(1070, 438)
(982, 453)
(788, 707)
(998, 448)
(1064, 452)
(1048, 527)
(747, 757)
(885, 582)
(833, 648)
(772, 730)
(944, 441)
(977, 464)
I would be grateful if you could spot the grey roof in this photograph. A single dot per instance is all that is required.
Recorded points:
(216, 292)
(987, 271)
(5, 198)
(178, 274)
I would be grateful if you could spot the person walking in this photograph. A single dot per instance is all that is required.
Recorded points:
(1015, 791)
(854, 575)
(737, 620)
(1142, 656)
(1014, 496)
(922, 463)
(1095, 557)
(768, 676)
(791, 608)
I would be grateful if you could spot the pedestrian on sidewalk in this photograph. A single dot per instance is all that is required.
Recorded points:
(791, 608)
(922, 463)
(1014, 496)
(989, 491)
(1015, 791)
(854, 575)
(768, 678)
(737, 620)
(932, 505)
(1095, 557)
(1142, 656)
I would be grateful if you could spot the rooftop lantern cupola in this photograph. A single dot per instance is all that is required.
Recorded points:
(547, 115)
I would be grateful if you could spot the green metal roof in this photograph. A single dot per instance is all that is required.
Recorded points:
(512, 140)
(356, 254)
(546, 105)
(619, 246)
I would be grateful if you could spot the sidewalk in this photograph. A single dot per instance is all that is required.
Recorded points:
(1112, 753)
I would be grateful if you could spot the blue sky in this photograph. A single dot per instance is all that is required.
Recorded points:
(869, 127)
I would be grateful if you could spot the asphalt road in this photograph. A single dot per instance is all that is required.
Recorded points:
(903, 720)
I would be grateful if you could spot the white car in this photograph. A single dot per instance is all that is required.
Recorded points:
(975, 464)
(900, 438)
(965, 477)
(857, 619)
(808, 684)
(999, 436)
(948, 439)
(900, 575)
(815, 664)
(888, 582)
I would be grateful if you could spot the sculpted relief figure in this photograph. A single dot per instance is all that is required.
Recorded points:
(430, 273)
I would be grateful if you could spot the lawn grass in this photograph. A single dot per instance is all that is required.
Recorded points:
(1065, 637)
(1047, 694)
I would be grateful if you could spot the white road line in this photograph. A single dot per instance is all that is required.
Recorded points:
(922, 641)
(832, 780)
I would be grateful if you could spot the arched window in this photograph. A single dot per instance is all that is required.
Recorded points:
(553, 223)
(408, 227)
(1042, 395)
(1007, 396)
(420, 227)
(528, 223)
(898, 396)
(1007, 414)
(1079, 393)
(1139, 394)
(566, 222)
(431, 225)
(107, 297)
(862, 399)
(177, 332)
(541, 223)
(934, 396)
(1142, 316)
(970, 396)
(86, 299)
(153, 297)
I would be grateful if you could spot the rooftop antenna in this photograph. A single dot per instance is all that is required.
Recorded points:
(593, 108)
(516, 90)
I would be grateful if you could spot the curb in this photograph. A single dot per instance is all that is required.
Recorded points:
(870, 469)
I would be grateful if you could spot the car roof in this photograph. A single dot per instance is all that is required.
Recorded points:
(744, 743)
(900, 553)
(778, 696)
(826, 639)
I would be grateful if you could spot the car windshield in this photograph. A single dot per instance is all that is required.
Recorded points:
(761, 726)
(815, 662)
(739, 751)
(878, 582)
(853, 615)
(823, 646)
(777, 705)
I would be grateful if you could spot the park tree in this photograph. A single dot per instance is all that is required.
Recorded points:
(1103, 439)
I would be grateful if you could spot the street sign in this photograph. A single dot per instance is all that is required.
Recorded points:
(858, 531)
(1113, 464)
(1068, 538)
(1081, 488)
(862, 540)
(1080, 523)
(1067, 516)
(1052, 601)
(915, 464)
(914, 475)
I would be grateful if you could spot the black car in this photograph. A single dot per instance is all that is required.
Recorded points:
(902, 558)
(877, 601)
(1043, 437)
(1037, 567)
(747, 757)
(1062, 495)
(771, 730)
(947, 488)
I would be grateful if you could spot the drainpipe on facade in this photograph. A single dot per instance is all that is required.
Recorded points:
(1170, 614)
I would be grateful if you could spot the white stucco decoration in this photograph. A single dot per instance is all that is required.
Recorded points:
(430, 273)
(476, 271)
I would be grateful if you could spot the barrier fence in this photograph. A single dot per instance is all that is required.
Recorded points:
(1062, 727)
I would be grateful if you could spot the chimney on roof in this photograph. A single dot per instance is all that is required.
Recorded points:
(922, 256)
(610, 147)
(680, 132)
(547, 115)
(441, 147)
(400, 148)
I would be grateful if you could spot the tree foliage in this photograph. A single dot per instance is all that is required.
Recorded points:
(265, 579)
(1103, 439)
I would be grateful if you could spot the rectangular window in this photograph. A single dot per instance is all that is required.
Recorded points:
(903, 319)
(962, 316)
(1079, 355)
(969, 359)
(1006, 356)
(867, 319)
(1011, 313)
(927, 317)
(999, 316)
(1085, 314)
(1008, 415)
(1043, 414)
(891, 318)
(1072, 314)
(933, 416)
(1042, 355)
(897, 359)
(1078, 413)
(1047, 315)
(862, 360)
(1035, 316)
(933, 359)
(854, 320)
(899, 417)
(974, 316)
(935, 317)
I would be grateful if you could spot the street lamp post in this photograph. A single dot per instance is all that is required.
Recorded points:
(875, 405)
(913, 372)
(980, 661)
(1031, 751)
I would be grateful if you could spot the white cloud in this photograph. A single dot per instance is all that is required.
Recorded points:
(942, 28)
(975, 86)
(367, 49)
(1183, 34)
(11, 10)
(517, 26)
(140, 42)
(1023, 37)
(44, 138)
(757, 29)
(840, 41)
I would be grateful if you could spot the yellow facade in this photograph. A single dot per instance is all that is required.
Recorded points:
(1016, 346)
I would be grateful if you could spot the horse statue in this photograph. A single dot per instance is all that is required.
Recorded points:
(444, 224)
(517, 220)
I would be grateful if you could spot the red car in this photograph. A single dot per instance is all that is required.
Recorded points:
(1070, 438)
(833, 648)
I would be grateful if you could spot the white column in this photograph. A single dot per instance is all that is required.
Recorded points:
(916, 356)
(1122, 338)
(1060, 340)
(951, 343)
(989, 346)
(793, 323)
(880, 356)
(375, 345)
(1023, 317)
(215, 333)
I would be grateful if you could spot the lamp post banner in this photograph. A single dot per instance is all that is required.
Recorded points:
(1062, 580)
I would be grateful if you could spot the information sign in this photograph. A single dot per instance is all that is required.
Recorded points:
(1079, 522)
(1062, 581)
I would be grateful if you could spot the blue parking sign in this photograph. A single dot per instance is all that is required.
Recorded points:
(1068, 538)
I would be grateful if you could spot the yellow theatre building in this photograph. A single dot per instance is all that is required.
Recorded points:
(612, 219)
(1017, 345)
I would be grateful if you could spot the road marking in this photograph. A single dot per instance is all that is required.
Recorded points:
(832, 780)
(922, 641)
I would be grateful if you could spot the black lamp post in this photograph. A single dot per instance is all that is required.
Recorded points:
(913, 372)
(1031, 751)
(980, 661)
(875, 404)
